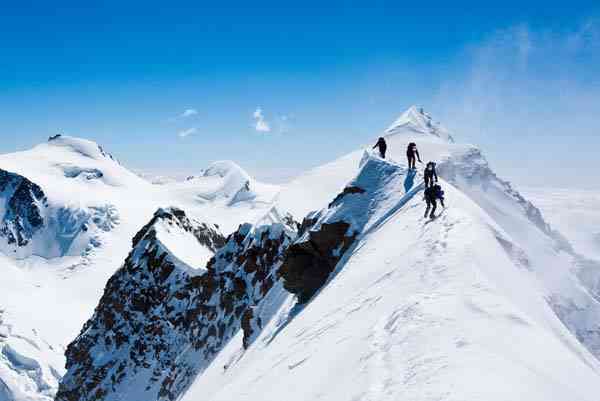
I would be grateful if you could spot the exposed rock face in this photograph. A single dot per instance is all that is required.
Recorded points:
(22, 203)
(160, 323)
(309, 263)
(313, 257)
(346, 191)
(324, 237)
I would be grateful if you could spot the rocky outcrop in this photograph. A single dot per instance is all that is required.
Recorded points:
(347, 191)
(324, 237)
(160, 323)
(22, 203)
(308, 263)
(322, 241)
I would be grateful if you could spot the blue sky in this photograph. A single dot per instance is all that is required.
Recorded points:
(317, 79)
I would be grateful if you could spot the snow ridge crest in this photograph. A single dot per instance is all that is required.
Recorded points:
(416, 120)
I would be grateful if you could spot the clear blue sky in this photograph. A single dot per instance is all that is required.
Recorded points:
(513, 77)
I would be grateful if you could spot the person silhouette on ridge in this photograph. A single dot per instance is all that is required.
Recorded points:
(430, 174)
(412, 154)
(431, 200)
(382, 147)
(431, 195)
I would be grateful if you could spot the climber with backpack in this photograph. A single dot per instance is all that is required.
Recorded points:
(430, 199)
(431, 195)
(382, 147)
(412, 154)
(430, 174)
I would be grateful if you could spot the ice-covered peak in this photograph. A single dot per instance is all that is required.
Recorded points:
(188, 242)
(80, 146)
(416, 120)
(224, 180)
(223, 168)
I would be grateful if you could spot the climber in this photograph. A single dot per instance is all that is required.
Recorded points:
(411, 151)
(430, 174)
(382, 147)
(430, 198)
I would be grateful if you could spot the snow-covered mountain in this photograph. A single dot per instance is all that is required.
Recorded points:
(364, 300)
(68, 212)
(59, 198)
(163, 317)
(483, 303)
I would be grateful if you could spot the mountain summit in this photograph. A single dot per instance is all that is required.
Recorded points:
(416, 120)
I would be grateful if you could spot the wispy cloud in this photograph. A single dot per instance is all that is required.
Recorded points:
(187, 132)
(260, 123)
(525, 88)
(188, 113)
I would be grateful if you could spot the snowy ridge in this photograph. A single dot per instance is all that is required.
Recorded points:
(160, 323)
(416, 120)
(414, 310)
(545, 251)
(364, 204)
(82, 146)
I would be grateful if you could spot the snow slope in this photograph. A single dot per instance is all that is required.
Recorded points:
(415, 310)
(30, 367)
(573, 285)
(483, 303)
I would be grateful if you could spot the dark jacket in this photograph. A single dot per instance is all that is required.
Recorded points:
(429, 195)
(380, 144)
(430, 173)
(412, 151)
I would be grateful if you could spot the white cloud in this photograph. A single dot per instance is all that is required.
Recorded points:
(260, 124)
(525, 88)
(188, 113)
(187, 132)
